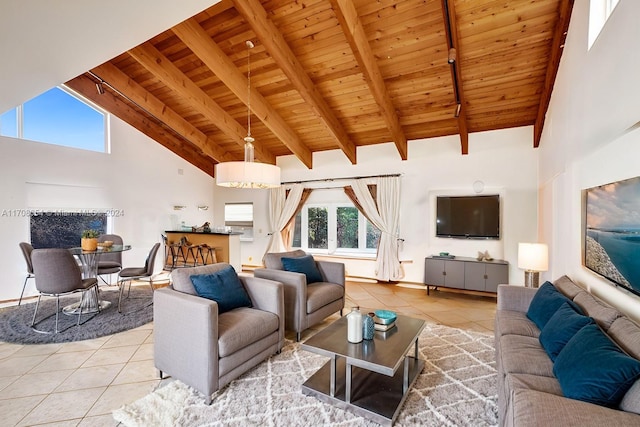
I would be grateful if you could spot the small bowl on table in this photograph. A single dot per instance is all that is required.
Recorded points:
(105, 244)
(385, 317)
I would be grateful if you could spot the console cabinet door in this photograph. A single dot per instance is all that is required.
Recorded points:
(434, 273)
(474, 276)
(454, 277)
(497, 274)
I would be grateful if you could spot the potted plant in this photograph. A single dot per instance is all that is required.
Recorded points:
(89, 240)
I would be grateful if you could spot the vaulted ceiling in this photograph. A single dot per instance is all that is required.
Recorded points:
(336, 74)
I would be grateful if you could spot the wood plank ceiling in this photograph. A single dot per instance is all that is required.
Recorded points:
(336, 74)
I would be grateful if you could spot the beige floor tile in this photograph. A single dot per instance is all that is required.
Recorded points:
(36, 350)
(59, 361)
(133, 337)
(110, 356)
(117, 395)
(139, 371)
(99, 421)
(86, 345)
(5, 381)
(35, 384)
(14, 410)
(63, 406)
(144, 352)
(95, 376)
(8, 349)
(19, 365)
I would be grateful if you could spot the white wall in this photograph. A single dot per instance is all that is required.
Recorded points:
(504, 160)
(588, 140)
(139, 177)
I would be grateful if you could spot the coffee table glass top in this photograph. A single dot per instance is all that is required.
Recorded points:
(383, 354)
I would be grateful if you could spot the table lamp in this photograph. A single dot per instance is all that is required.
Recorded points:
(533, 258)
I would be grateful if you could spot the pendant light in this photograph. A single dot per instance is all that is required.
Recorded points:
(248, 174)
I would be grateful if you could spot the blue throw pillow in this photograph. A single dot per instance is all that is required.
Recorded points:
(560, 328)
(592, 368)
(224, 287)
(545, 303)
(304, 264)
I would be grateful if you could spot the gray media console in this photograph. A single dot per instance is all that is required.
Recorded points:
(465, 273)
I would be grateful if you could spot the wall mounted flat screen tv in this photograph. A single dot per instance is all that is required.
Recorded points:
(612, 232)
(468, 217)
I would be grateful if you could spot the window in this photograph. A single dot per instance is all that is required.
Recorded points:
(334, 228)
(60, 117)
(239, 217)
(599, 12)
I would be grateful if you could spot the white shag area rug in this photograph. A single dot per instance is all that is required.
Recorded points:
(457, 387)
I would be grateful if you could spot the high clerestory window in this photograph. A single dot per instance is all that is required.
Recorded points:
(61, 117)
(599, 12)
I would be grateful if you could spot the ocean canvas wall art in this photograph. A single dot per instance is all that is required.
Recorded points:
(612, 232)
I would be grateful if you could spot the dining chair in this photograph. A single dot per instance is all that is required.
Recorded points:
(109, 262)
(57, 274)
(134, 273)
(26, 251)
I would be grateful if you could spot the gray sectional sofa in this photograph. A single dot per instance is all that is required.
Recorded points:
(529, 393)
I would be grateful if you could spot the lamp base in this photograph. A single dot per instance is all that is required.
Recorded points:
(531, 279)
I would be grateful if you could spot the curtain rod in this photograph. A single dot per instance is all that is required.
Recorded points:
(340, 179)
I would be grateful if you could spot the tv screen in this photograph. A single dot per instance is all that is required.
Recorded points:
(468, 217)
(612, 232)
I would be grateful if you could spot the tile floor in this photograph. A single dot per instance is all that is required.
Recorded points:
(80, 383)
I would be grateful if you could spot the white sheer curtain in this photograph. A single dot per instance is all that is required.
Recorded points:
(386, 217)
(281, 209)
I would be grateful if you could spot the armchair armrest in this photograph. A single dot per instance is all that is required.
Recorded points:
(332, 271)
(267, 295)
(515, 298)
(295, 293)
(185, 338)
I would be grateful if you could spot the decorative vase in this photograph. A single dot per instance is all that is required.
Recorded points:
(354, 325)
(368, 326)
(89, 244)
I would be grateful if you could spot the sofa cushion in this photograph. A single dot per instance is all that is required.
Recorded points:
(273, 260)
(224, 287)
(524, 355)
(239, 328)
(304, 264)
(626, 334)
(631, 400)
(511, 322)
(565, 285)
(560, 328)
(594, 369)
(603, 314)
(545, 302)
(320, 294)
(534, 382)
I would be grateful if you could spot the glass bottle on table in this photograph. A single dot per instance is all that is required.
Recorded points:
(368, 326)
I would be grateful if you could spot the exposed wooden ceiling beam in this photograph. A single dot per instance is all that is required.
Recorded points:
(272, 39)
(119, 107)
(159, 65)
(449, 12)
(559, 37)
(199, 42)
(115, 78)
(354, 31)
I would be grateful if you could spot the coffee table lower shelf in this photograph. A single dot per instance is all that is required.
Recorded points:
(374, 396)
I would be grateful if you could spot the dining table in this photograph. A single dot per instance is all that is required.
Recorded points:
(89, 267)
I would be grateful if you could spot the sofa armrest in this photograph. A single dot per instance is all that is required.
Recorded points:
(185, 338)
(516, 298)
(535, 408)
(332, 272)
(267, 295)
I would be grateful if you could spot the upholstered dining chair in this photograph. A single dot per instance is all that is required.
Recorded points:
(313, 290)
(109, 262)
(127, 275)
(26, 249)
(207, 340)
(57, 273)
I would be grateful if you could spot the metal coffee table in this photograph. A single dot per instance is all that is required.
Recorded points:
(365, 378)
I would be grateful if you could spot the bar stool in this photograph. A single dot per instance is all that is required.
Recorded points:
(187, 249)
(207, 253)
(174, 250)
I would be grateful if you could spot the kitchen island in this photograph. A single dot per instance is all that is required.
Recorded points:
(227, 245)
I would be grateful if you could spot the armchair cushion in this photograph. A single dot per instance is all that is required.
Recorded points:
(304, 264)
(240, 328)
(224, 287)
(320, 294)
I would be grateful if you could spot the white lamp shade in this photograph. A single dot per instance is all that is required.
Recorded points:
(247, 175)
(533, 256)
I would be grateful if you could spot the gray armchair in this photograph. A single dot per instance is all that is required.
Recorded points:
(207, 350)
(305, 303)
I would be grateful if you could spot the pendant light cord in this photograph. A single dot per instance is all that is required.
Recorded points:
(249, 46)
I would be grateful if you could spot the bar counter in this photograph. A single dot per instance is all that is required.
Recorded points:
(227, 244)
